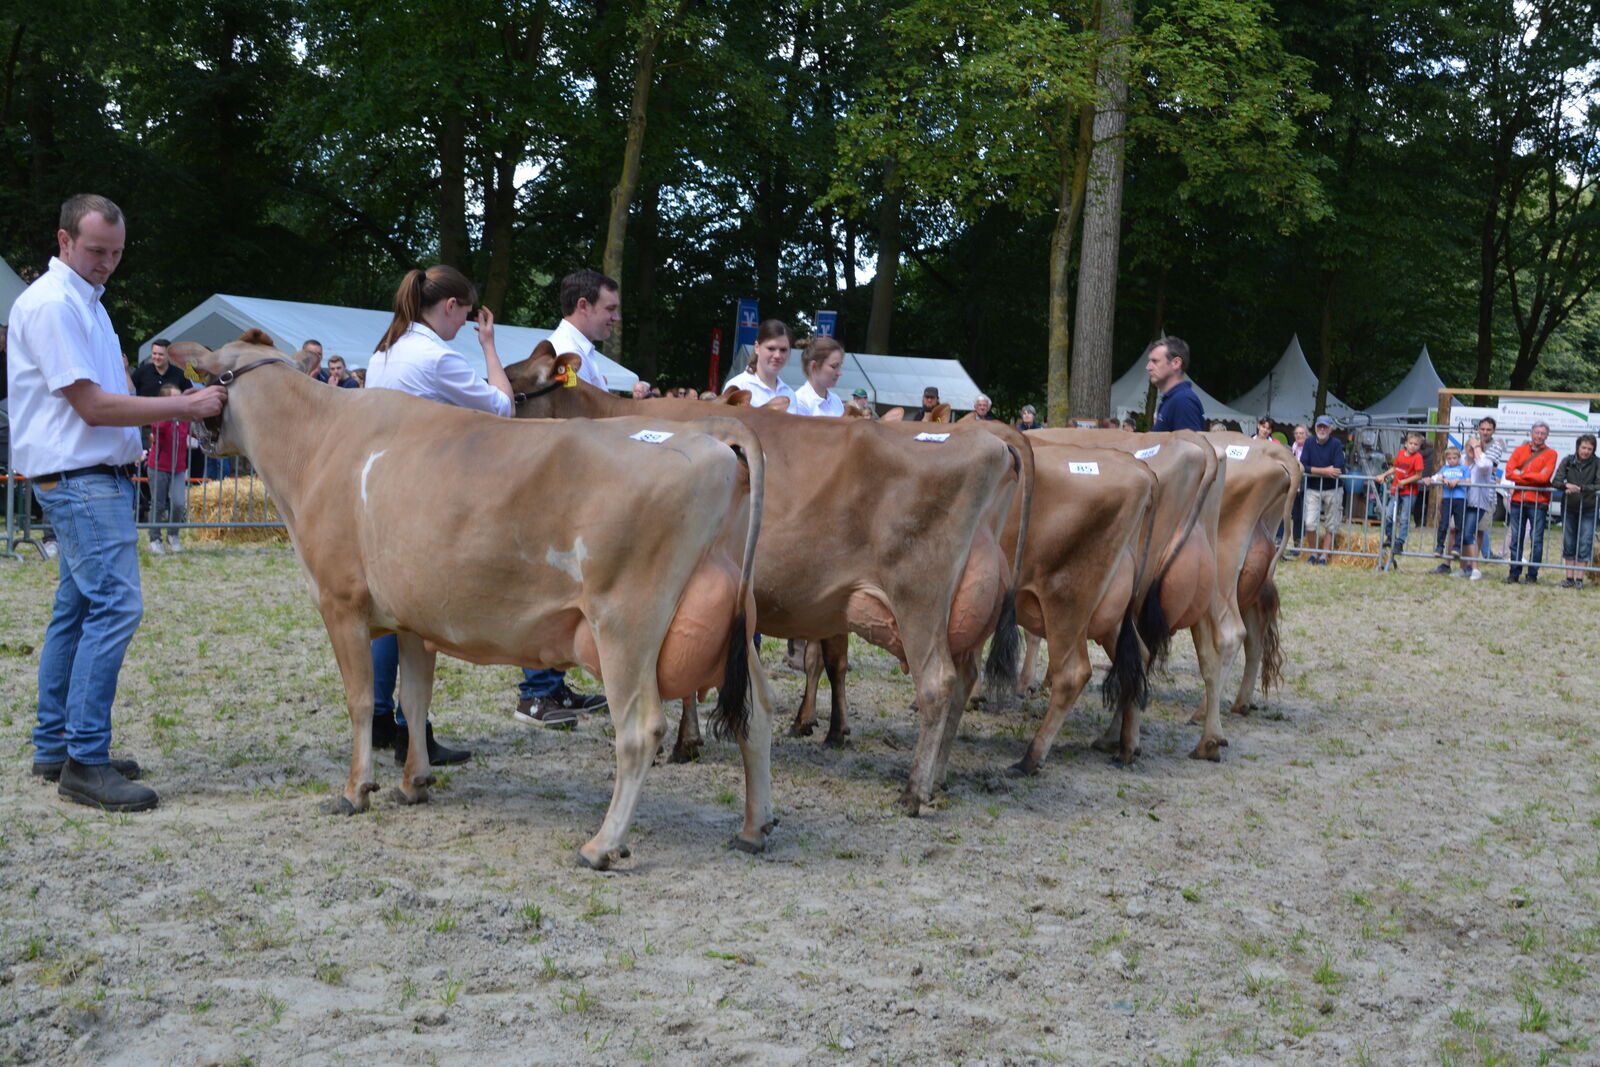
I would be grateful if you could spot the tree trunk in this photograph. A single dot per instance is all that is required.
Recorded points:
(450, 139)
(499, 228)
(632, 153)
(1069, 208)
(882, 317)
(642, 299)
(1330, 280)
(1102, 225)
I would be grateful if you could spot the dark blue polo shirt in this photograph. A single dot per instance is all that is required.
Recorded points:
(1180, 410)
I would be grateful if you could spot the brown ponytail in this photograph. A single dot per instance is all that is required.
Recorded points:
(817, 351)
(420, 290)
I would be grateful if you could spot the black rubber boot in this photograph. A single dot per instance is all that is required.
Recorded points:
(383, 731)
(100, 786)
(51, 772)
(438, 755)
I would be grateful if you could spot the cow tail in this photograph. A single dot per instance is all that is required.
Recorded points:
(731, 717)
(1268, 603)
(1005, 651)
(1127, 682)
(1154, 630)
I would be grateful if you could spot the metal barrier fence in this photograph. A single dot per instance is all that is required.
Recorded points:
(1377, 523)
(239, 494)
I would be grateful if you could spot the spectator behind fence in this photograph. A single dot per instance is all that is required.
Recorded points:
(983, 409)
(930, 400)
(1578, 477)
(823, 362)
(591, 307)
(641, 390)
(73, 433)
(760, 375)
(167, 468)
(1452, 478)
(338, 374)
(413, 356)
(1407, 470)
(1130, 426)
(1482, 456)
(158, 370)
(1297, 510)
(1323, 460)
(1029, 420)
(1531, 467)
(862, 405)
(1167, 366)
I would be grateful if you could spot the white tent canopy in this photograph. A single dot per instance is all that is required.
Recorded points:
(1289, 391)
(11, 287)
(348, 332)
(1416, 395)
(895, 380)
(1128, 396)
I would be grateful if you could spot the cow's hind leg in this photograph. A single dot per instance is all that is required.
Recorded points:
(1029, 662)
(1069, 673)
(352, 649)
(1252, 660)
(755, 750)
(1215, 641)
(967, 669)
(416, 696)
(834, 655)
(640, 725)
(936, 683)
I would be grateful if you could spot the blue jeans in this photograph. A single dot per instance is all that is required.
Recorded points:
(97, 609)
(1577, 530)
(1452, 510)
(541, 683)
(1396, 520)
(218, 467)
(385, 671)
(1518, 513)
(169, 502)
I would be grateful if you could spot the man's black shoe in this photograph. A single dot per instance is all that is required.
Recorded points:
(100, 786)
(438, 755)
(383, 731)
(51, 772)
(577, 701)
(1510, 579)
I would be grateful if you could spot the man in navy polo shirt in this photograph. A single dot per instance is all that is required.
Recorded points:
(73, 433)
(1322, 459)
(1167, 363)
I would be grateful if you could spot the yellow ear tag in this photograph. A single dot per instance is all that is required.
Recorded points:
(569, 375)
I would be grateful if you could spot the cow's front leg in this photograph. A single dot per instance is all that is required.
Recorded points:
(805, 720)
(834, 656)
(688, 747)
(416, 696)
(1029, 663)
(352, 650)
(639, 724)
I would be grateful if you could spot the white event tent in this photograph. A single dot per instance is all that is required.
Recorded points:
(1128, 396)
(11, 287)
(348, 332)
(895, 380)
(1289, 391)
(1415, 396)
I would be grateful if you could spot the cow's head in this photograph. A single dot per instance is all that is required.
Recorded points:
(253, 348)
(534, 379)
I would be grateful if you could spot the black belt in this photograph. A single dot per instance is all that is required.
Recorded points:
(127, 470)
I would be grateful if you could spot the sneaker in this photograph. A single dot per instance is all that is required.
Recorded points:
(1443, 568)
(156, 548)
(172, 544)
(1475, 575)
(1532, 579)
(545, 711)
(100, 786)
(1567, 583)
(578, 702)
(1465, 573)
(51, 550)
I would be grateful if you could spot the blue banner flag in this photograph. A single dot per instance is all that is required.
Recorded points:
(826, 320)
(749, 321)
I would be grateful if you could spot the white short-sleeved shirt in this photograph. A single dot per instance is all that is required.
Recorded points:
(760, 395)
(807, 402)
(420, 363)
(61, 334)
(568, 338)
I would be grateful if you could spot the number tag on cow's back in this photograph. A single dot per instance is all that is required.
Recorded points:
(936, 438)
(1238, 451)
(651, 437)
(1147, 453)
(1084, 468)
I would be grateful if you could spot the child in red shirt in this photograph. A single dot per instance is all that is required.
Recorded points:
(168, 468)
(1407, 471)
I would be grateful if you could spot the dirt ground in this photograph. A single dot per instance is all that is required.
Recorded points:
(1397, 862)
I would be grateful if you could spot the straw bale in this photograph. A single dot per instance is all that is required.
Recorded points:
(233, 500)
(1357, 539)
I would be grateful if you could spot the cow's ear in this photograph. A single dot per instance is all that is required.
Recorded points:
(853, 412)
(940, 413)
(970, 416)
(777, 403)
(186, 352)
(306, 360)
(893, 415)
(526, 375)
(566, 366)
(735, 398)
(253, 336)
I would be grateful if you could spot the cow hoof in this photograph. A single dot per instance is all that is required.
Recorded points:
(623, 852)
(798, 730)
(752, 847)
(420, 796)
(834, 740)
(599, 863)
(1208, 750)
(1022, 769)
(684, 755)
(1106, 744)
(340, 805)
(910, 804)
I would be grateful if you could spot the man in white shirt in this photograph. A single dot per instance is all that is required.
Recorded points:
(73, 424)
(590, 309)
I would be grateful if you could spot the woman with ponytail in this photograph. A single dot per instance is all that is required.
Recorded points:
(822, 361)
(430, 308)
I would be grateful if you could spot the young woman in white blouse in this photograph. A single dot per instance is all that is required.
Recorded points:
(761, 376)
(823, 361)
(415, 357)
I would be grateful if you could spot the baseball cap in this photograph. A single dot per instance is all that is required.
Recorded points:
(1324, 420)
(931, 390)
(860, 393)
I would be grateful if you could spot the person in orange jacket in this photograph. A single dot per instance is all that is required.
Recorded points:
(1531, 468)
